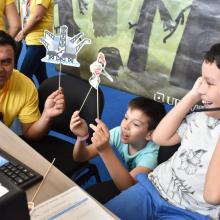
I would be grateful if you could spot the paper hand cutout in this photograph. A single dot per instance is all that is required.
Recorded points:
(97, 68)
(63, 49)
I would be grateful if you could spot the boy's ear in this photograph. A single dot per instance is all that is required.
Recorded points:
(148, 136)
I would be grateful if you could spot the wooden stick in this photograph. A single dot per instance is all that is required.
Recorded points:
(97, 102)
(44, 177)
(59, 76)
(85, 99)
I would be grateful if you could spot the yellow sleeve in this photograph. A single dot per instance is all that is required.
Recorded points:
(9, 2)
(30, 111)
(45, 3)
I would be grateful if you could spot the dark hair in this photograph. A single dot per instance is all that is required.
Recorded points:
(213, 55)
(152, 109)
(6, 39)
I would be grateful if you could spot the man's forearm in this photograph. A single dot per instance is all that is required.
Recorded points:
(39, 128)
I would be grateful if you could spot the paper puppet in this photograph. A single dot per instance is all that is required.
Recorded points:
(63, 49)
(97, 69)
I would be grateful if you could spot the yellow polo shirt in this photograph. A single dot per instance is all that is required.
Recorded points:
(20, 100)
(33, 38)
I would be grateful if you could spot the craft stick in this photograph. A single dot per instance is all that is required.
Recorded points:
(44, 177)
(60, 76)
(85, 99)
(97, 103)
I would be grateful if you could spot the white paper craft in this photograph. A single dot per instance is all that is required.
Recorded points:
(63, 49)
(97, 69)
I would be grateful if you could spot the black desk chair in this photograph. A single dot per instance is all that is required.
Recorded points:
(50, 147)
(165, 152)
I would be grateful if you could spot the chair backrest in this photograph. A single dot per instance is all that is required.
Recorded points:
(75, 91)
(165, 152)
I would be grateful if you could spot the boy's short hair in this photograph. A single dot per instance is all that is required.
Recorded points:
(213, 55)
(6, 39)
(155, 111)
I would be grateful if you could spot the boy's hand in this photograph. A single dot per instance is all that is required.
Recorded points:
(100, 138)
(55, 104)
(195, 89)
(78, 125)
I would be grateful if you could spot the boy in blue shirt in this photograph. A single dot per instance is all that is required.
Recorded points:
(132, 139)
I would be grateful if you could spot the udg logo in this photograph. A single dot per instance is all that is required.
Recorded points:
(161, 97)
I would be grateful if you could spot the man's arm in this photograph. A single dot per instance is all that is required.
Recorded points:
(34, 19)
(167, 135)
(12, 19)
(53, 107)
(212, 183)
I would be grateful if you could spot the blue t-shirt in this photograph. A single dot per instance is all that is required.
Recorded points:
(146, 157)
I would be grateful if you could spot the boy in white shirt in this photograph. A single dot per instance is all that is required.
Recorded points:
(187, 186)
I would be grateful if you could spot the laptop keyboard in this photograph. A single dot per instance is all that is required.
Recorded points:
(17, 172)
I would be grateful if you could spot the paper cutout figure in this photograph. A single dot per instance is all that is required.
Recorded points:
(97, 68)
(63, 49)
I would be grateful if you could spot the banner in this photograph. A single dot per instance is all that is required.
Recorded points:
(153, 48)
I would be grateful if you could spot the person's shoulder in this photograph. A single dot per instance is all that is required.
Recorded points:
(18, 76)
(115, 134)
(115, 130)
(46, 2)
(151, 146)
(9, 1)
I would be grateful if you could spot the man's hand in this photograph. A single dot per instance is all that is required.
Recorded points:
(55, 104)
(100, 138)
(78, 125)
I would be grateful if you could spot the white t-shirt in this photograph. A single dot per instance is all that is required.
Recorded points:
(180, 180)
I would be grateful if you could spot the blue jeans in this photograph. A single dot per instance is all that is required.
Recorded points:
(142, 201)
(32, 63)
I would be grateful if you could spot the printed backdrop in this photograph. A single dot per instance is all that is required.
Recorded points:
(153, 48)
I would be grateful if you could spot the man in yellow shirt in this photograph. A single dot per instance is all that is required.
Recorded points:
(19, 98)
(40, 19)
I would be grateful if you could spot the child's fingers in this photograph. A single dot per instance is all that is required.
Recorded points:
(76, 113)
(97, 130)
(74, 125)
(74, 120)
(93, 127)
(102, 125)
